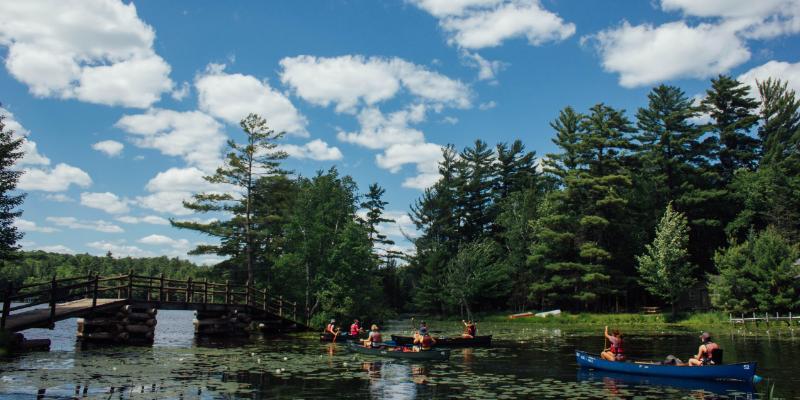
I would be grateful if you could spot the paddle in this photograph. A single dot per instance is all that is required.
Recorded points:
(605, 339)
(335, 335)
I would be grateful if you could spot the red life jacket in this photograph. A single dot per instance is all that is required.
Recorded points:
(616, 348)
(710, 347)
(427, 342)
(375, 337)
(472, 330)
(354, 330)
(331, 329)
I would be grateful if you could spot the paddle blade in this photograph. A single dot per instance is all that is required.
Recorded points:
(757, 379)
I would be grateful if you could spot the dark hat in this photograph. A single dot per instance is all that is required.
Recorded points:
(423, 331)
(705, 336)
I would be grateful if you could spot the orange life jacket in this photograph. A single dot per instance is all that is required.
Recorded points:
(616, 348)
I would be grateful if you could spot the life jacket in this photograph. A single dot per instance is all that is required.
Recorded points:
(427, 342)
(471, 330)
(375, 337)
(616, 348)
(354, 330)
(331, 329)
(710, 347)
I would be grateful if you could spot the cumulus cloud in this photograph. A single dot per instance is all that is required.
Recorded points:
(170, 188)
(487, 105)
(111, 148)
(425, 156)
(57, 179)
(31, 155)
(30, 226)
(232, 97)
(379, 131)
(74, 223)
(106, 201)
(59, 198)
(58, 248)
(119, 249)
(96, 51)
(191, 135)
(352, 80)
(316, 149)
(182, 245)
(646, 54)
(487, 69)
(477, 24)
(148, 219)
(784, 71)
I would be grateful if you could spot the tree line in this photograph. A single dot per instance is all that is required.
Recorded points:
(690, 196)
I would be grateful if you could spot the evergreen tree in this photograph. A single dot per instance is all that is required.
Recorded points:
(244, 164)
(759, 275)
(475, 200)
(10, 152)
(664, 268)
(516, 169)
(474, 275)
(374, 206)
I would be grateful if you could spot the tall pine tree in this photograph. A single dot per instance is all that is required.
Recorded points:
(10, 152)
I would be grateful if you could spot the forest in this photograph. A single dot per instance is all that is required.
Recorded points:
(681, 197)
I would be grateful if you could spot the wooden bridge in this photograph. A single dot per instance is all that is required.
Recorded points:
(85, 295)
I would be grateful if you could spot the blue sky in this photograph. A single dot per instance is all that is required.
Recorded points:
(126, 105)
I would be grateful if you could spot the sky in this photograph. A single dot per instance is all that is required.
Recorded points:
(125, 106)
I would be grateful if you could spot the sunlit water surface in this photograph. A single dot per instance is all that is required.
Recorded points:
(524, 362)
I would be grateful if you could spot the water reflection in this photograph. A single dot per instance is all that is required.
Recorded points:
(394, 381)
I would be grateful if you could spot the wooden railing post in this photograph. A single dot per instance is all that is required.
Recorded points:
(149, 288)
(53, 288)
(94, 295)
(205, 291)
(161, 288)
(265, 299)
(87, 288)
(247, 294)
(6, 304)
(227, 292)
(280, 306)
(189, 290)
(130, 284)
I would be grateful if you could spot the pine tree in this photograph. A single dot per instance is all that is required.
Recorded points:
(516, 169)
(374, 206)
(475, 199)
(244, 164)
(10, 152)
(664, 268)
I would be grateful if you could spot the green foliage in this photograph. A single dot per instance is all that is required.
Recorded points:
(758, 275)
(475, 274)
(664, 268)
(10, 152)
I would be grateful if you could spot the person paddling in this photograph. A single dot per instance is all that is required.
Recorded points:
(374, 339)
(470, 329)
(424, 341)
(704, 352)
(331, 328)
(615, 352)
(355, 328)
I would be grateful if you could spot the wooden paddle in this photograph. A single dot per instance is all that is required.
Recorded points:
(335, 335)
(605, 340)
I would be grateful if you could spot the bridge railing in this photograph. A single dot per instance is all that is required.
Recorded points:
(141, 288)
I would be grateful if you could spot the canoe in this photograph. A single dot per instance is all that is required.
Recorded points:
(458, 341)
(739, 372)
(343, 337)
(622, 379)
(397, 352)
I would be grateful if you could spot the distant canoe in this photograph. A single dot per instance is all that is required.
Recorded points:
(521, 315)
(398, 352)
(740, 371)
(343, 337)
(539, 314)
(548, 313)
(458, 341)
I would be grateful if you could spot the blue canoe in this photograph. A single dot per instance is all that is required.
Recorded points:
(737, 372)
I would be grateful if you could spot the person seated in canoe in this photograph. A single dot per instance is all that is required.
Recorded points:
(332, 329)
(470, 329)
(374, 339)
(355, 328)
(423, 341)
(615, 352)
(704, 352)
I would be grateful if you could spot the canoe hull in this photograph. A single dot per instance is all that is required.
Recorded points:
(390, 352)
(343, 337)
(478, 341)
(740, 372)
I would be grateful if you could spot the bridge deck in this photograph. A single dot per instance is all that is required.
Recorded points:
(40, 318)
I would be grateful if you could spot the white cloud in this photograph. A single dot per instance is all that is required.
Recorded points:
(232, 97)
(181, 92)
(59, 248)
(487, 69)
(487, 105)
(379, 131)
(74, 223)
(161, 240)
(57, 179)
(450, 120)
(786, 72)
(111, 148)
(30, 226)
(401, 227)
(107, 201)
(148, 219)
(179, 180)
(31, 155)
(59, 198)
(192, 135)
(316, 150)
(97, 51)
(351, 80)
(426, 157)
(119, 249)
(644, 54)
(763, 19)
(166, 202)
(476, 24)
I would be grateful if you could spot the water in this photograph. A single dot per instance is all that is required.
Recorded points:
(524, 362)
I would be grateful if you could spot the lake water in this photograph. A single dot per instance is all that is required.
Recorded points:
(524, 362)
